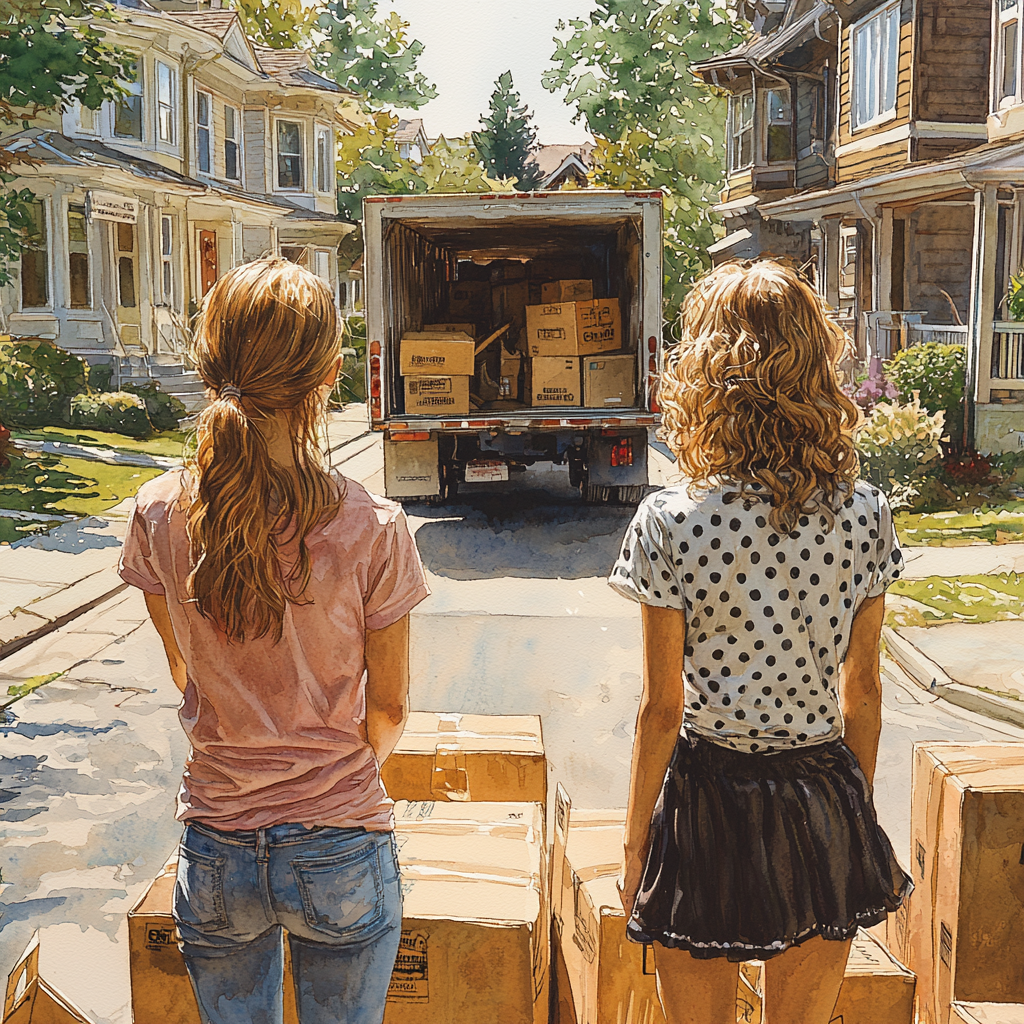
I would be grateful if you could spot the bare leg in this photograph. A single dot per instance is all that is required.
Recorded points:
(801, 986)
(696, 991)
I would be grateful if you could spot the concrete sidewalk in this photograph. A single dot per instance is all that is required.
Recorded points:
(47, 581)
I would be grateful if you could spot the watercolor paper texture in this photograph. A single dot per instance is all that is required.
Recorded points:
(486, 193)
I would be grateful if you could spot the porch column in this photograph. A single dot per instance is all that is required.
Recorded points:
(830, 260)
(883, 287)
(983, 302)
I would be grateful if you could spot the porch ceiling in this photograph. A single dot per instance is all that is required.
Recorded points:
(997, 163)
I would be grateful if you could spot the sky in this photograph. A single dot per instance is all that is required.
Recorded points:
(468, 43)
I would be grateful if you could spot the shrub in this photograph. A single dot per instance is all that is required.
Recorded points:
(99, 376)
(119, 411)
(37, 382)
(165, 411)
(967, 468)
(897, 445)
(873, 387)
(937, 373)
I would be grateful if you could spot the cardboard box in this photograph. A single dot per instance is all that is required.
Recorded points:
(436, 352)
(29, 999)
(876, 989)
(609, 382)
(611, 979)
(553, 380)
(437, 396)
(574, 328)
(475, 896)
(567, 291)
(469, 300)
(937, 856)
(509, 367)
(468, 757)
(508, 304)
(987, 1013)
(446, 328)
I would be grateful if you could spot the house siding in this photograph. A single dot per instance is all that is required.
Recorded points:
(254, 144)
(951, 80)
(877, 160)
(939, 240)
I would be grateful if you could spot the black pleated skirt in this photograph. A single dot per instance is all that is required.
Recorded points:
(753, 853)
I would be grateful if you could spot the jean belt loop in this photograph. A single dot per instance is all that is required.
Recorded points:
(261, 845)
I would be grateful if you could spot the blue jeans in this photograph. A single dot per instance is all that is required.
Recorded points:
(335, 890)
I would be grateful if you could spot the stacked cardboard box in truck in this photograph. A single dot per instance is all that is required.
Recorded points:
(469, 300)
(573, 328)
(609, 381)
(567, 291)
(553, 380)
(437, 366)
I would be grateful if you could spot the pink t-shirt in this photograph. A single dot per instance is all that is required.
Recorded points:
(277, 729)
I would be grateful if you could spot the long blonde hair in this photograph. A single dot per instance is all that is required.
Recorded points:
(751, 394)
(265, 340)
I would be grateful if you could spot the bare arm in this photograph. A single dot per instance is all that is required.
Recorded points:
(157, 607)
(657, 729)
(387, 686)
(860, 685)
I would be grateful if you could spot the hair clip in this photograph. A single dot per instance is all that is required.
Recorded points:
(229, 391)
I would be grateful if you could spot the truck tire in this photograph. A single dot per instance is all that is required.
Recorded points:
(594, 494)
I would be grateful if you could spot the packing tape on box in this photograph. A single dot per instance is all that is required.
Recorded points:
(434, 871)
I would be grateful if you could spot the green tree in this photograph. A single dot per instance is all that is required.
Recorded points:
(52, 53)
(281, 24)
(626, 67)
(371, 56)
(508, 137)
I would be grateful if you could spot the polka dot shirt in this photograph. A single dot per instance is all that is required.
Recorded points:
(768, 615)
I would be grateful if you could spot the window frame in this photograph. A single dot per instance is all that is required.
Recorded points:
(136, 93)
(878, 115)
(78, 209)
(278, 187)
(97, 119)
(322, 167)
(169, 105)
(1005, 14)
(167, 235)
(769, 124)
(235, 140)
(44, 202)
(208, 129)
(737, 131)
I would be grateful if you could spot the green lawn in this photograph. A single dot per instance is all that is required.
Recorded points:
(991, 598)
(949, 529)
(167, 442)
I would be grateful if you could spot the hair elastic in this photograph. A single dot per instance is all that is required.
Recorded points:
(229, 391)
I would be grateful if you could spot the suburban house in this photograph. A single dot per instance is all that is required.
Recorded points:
(915, 225)
(557, 165)
(223, 151)
(411, 140)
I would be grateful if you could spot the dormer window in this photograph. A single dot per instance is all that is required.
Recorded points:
(324, 163)
(128, 110)
(874, 66)
(166, 103)
(204, 131)
(741, 130)
(289, 154)
(232, 165)
(779, 119)
(1006, 75)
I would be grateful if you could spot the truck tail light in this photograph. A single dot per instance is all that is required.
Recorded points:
(622, 452)
(375, 382)
(653, 401)
(652, 344)
(409, 435)
(374, 348)
(652, 364)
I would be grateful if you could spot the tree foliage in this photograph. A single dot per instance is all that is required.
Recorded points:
(371, 55)
(626, 67)
(52, 53)
(508, 137)
(281, 24)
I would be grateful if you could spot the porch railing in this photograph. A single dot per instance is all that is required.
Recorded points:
(1007, 351)
(893, 337)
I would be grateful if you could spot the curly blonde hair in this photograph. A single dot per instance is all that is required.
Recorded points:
(751, 392)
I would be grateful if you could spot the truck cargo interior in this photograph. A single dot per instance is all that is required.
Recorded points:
(509, 259)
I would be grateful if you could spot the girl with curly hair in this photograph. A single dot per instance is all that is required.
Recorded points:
(751, 833)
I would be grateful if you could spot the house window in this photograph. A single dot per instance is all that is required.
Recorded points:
(231, 124)
(35, 290)
(204, 130)
(128, 110)
(779, 119)
(78, 259)
(88, 120)
(125, 244)
(166, 102)
(875, 63)
(741, 141)
(296, 254)
(166, 267)
(323, 160)
(289, 154)
(1007, 62)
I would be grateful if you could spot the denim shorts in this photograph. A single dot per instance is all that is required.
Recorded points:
(337, 893)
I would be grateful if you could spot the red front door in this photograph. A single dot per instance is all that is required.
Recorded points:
(207, 260)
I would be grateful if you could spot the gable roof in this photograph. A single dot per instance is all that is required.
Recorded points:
(550, 158)
(410, 131)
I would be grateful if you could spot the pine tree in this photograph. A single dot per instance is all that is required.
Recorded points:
(508, 137)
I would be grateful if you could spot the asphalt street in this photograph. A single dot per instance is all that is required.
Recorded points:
(519, 621)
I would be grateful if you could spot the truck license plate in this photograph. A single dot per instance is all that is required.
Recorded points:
(486, 472)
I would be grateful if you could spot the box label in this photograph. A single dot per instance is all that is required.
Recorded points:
(409, 983)
(550, 334)
(420, 360)
(161, 937)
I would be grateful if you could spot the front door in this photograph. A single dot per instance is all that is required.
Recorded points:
(126, 276)
(207, 260)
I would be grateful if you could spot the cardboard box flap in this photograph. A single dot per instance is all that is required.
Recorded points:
(157, 898)
(437, 336)
(869, 956)
(493, 904)
(518, 734)
(30, 998)
(987, 1013)
(469, 329)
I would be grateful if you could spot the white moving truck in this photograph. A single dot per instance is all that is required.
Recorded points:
(509, 329)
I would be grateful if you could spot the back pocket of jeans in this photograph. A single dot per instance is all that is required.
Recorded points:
(199, 890)
(343, 895)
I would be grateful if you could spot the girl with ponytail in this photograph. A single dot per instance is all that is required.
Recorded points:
(281, 592)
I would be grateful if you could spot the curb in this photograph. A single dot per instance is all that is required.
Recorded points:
(930, 676)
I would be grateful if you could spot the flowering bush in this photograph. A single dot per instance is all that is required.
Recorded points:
(967, 468)
(874, 388)
(119, 411)
(897, 445)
